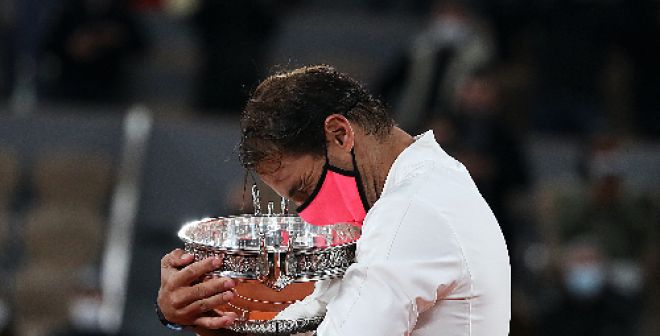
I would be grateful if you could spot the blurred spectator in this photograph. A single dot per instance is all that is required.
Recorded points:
(423, 81)
(234, 38)
(87, 48)
(610, 234)
(604, 209)
(476, 134)
(586, 303)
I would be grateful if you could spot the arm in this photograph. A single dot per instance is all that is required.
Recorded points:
(400, 273)
(314, 304)
(378, 300)
(218, 332)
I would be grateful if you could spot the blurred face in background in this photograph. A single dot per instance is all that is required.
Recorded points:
(477, 96)
(450, 20)
(584, 271)
(605, 170)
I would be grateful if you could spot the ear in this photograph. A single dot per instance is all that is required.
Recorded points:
(338, 132)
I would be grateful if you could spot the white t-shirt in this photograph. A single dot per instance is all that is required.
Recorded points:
(431, 261)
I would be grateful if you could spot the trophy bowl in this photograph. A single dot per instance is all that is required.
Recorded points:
(275, 259)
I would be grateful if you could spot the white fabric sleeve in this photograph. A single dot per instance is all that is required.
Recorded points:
(403, 268)
(314, 304)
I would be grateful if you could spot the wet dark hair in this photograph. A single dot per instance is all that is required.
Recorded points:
(286, 112)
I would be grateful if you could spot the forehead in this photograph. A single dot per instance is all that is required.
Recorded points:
(278, 170)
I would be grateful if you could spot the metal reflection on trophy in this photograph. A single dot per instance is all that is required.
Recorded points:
(276, 258)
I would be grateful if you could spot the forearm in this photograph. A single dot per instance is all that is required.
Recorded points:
(216, 332)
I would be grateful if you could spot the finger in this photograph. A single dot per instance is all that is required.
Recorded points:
(205, 305)
(176, 259)
(215, 322)
(195, 271)
(171, 263)
(201, 291)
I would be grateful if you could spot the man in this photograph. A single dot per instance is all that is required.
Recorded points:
(431, 259)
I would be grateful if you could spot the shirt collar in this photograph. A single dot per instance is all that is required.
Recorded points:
(419, 151)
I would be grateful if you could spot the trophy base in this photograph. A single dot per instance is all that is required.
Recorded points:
(257, 306)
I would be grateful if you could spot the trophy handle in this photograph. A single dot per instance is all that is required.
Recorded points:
(263, 265)
(273, 267)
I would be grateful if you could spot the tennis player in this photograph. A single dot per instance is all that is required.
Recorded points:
(431, 261)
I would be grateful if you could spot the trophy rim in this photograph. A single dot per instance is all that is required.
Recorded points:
(250, 250)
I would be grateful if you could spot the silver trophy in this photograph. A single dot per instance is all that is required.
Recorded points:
(276, 258)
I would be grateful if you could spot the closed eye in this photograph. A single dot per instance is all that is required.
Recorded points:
(296, 191)
(300, 193)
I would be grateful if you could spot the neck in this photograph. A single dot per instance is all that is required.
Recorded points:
(376, 157)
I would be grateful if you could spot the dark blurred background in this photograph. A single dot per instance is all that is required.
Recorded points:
(119, 122)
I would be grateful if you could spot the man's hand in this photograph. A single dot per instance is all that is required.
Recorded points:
(185, 300)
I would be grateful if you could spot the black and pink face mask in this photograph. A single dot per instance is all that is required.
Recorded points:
(337, 198)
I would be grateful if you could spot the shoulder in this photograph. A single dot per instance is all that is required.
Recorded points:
(406, 192)
(424, 186)
(407, 211)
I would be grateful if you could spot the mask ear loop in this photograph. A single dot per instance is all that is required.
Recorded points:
(327, 158)
(317, 188)
(358, 182)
